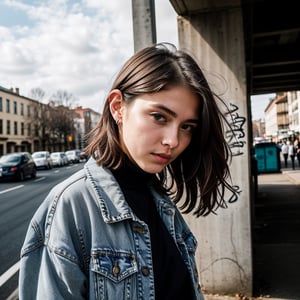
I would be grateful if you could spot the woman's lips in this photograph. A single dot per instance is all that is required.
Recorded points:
(162, 158)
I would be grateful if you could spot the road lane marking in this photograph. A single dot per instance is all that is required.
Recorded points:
(39, 179)
(11, 189)
(9, 273)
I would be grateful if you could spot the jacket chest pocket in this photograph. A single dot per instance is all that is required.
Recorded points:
(114, 274)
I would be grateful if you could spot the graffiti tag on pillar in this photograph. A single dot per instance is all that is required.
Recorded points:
(235, 136)
(235, 195)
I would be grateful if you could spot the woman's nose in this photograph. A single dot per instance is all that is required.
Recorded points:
(171, 138)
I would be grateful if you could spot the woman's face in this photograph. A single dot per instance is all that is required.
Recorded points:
(156, 128)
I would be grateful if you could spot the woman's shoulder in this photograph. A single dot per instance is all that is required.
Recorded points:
(72, 182)
(49, 206)
(81, 182)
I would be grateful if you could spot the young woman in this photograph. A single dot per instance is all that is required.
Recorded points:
(112, 230)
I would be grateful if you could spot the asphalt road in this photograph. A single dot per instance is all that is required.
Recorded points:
(18, 202)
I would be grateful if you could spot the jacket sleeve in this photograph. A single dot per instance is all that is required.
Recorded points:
(48, 272)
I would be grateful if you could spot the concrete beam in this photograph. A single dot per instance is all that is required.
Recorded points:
(144, 25)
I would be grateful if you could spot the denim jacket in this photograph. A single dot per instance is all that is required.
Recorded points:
(84, 242)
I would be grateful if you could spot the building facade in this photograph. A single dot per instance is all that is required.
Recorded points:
(294, 111)
(85, 120)
(282, 117)
(29, 125)
(16, 131)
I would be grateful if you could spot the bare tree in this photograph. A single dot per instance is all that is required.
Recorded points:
(52, 123)
(37, 94)
(39, 119)
(62, 124)
(62, 97)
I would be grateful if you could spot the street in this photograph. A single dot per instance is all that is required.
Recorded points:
(18, 202)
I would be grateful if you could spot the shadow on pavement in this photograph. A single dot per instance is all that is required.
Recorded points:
(276, 237)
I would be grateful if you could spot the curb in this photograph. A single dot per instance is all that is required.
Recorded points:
(293, 176)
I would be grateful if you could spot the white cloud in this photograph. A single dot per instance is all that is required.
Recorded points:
(166, 23)
(76, 46)
(259, 103)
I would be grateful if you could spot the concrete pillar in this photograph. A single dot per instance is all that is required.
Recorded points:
(144, 28)
(224, 256)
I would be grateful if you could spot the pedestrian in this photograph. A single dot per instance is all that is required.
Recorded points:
(292, 152)
(285, 153)
(298, 156)
(113, 229)
(297, 149)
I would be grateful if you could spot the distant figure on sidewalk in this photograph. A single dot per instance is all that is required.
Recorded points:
(297, 146)
(292, 154)
(285, 152)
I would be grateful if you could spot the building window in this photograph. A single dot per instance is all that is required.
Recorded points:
(15, 128)
(8, 127)
(36, 130)
(1, 104)
(22, 109)
(1, 126)
(28, 111)
(7, 105)
(15, 108)
(29, 129)
(22, 128)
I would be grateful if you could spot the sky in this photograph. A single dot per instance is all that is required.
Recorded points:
(258, 105)
(76, 46)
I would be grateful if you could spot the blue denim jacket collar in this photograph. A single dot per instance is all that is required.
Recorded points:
(111, 200)
(114, 207)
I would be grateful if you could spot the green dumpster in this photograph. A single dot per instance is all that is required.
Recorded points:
(268, 157)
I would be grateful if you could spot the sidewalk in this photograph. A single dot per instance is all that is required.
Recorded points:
(276, 235)
(276, 238)
(293, 175)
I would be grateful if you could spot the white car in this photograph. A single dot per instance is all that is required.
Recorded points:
(73, 156)
(59, 159)
(42, 159)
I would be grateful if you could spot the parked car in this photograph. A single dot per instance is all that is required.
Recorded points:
(42, 159)
(83, 156)
(73, 155)
(17, 166)
(59, 159)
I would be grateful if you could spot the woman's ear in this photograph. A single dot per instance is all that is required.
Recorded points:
(115, 99)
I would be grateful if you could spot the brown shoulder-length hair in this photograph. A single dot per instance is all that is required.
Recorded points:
(200, 175)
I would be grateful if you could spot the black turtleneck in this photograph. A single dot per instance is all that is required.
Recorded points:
(171, 277)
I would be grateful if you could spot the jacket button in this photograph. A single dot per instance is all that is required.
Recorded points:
(196, 273)
(169, 212)
(116, 269)
(145, 271)
(138, 229)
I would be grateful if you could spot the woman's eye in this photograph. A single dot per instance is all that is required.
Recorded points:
(188, 127)
(158, 117)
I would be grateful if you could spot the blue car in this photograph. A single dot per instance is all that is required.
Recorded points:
(17, 166)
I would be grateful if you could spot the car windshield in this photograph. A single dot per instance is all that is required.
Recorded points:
(54, 155)
(10, 159)
(38, 155)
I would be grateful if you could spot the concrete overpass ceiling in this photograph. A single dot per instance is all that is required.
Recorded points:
(272, 40)
(190, 7)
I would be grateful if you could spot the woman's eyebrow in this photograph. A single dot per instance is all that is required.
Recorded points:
(166, 109)
(173, 113)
